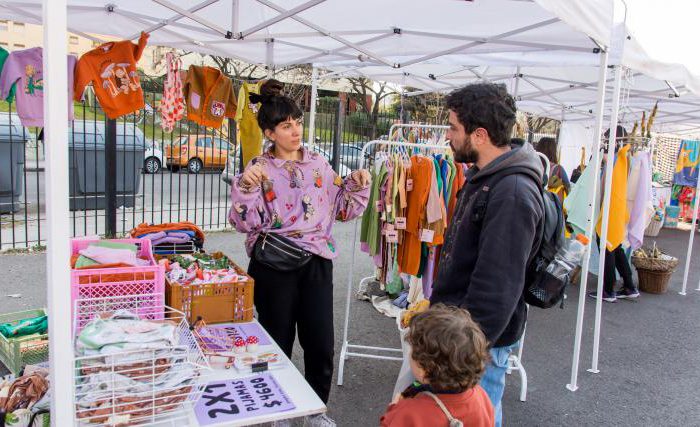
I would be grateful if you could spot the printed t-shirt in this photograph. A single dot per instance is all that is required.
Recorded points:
(111, 68)
(25, 67)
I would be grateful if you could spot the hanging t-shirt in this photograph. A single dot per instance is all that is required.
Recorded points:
(249, 134)
(3, 57)
(111, 68)
(209, 96)
(26, 67)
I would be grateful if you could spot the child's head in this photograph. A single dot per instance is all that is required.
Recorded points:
(449, 351)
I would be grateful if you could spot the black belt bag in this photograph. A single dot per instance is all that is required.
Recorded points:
(280, 253)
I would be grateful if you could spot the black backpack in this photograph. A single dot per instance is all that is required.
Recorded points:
(541, 288)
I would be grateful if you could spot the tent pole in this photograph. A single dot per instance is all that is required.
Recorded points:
(312, 109)
(691, 239)
(516, 84)
(57, 214)
(269, 57)
(592, 198)
(235, 14)
(610, 153)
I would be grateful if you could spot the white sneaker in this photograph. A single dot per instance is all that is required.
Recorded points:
(320, 420)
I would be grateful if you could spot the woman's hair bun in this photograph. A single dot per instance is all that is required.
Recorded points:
(272, 87)
(268, 91)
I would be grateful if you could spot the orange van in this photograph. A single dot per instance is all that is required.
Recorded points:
(197, 153)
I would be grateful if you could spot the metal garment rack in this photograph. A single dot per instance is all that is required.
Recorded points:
(364, 351)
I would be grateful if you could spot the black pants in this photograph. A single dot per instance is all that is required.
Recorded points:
(616, 259)
(300, 299)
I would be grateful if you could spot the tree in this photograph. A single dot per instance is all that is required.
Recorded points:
(426, 108)
(369, 96)
(538, 124)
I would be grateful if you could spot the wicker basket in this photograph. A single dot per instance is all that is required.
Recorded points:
(654, 228)
(655, 264)
(213, 302)
(654, 273)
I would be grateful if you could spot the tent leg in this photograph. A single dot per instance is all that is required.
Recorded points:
(312, 109)
(610, 152)
(57, 214)
(592, 197)
(691, 239)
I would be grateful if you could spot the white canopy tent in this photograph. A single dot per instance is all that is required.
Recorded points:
(279, 33)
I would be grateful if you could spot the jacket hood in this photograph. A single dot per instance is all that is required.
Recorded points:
(523, 160)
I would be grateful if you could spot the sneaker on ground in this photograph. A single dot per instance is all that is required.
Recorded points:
(320, 420)
(612, 297)
(628, 293)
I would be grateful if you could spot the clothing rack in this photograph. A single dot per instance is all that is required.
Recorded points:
(388, 353)
(364, 351)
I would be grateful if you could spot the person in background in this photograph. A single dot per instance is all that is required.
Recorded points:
(449, 354)
(558, 179)
(616, 259)
(290, 197)
(488, 246)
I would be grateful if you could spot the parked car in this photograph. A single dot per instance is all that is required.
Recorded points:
(227, 173)
(351, 155)
(197, 153)
(153, 158)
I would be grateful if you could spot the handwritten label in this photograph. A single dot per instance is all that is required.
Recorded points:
(235, 400)
(400, 223)
(409, 185)
(378, 206)
(427, 235)
(392, 236)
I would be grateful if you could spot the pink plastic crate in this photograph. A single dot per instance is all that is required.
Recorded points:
(146, 283)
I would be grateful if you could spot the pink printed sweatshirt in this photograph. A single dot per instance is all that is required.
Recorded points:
(299, 200)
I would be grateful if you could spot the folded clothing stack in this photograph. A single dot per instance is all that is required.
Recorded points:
(164, 237)
(130, 367)
(25, 327)
(108, 253)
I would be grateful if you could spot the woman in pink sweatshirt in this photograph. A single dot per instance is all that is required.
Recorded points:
(294, 193)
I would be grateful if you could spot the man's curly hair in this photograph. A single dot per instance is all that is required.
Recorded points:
(485, 105)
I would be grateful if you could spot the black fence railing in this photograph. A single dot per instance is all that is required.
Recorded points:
(160, 176)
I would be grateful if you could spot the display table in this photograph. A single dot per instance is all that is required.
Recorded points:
(221, 405)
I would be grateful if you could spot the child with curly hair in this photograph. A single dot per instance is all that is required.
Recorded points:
(448, 357)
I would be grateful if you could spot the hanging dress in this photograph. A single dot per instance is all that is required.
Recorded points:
(172, 105)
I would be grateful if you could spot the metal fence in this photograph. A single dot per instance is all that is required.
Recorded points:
(160, 176)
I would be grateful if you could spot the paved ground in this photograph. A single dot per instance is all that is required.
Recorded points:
(649, 349)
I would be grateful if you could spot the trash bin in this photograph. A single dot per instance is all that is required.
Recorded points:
(13, 139)
(87, 165)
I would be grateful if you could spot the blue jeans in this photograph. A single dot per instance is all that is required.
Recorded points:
(494, 379)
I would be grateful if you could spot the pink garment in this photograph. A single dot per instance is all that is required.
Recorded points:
(300, 200)
(112, 256)
(435, 208)
(429, 272)
(26, 68)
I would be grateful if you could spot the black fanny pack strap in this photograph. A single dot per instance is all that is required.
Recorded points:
(279, 252)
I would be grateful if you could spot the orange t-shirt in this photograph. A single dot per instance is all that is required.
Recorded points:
(410, 250)
(472, 407)
(111, 68)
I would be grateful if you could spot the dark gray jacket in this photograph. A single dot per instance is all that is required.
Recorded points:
(489, 245)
